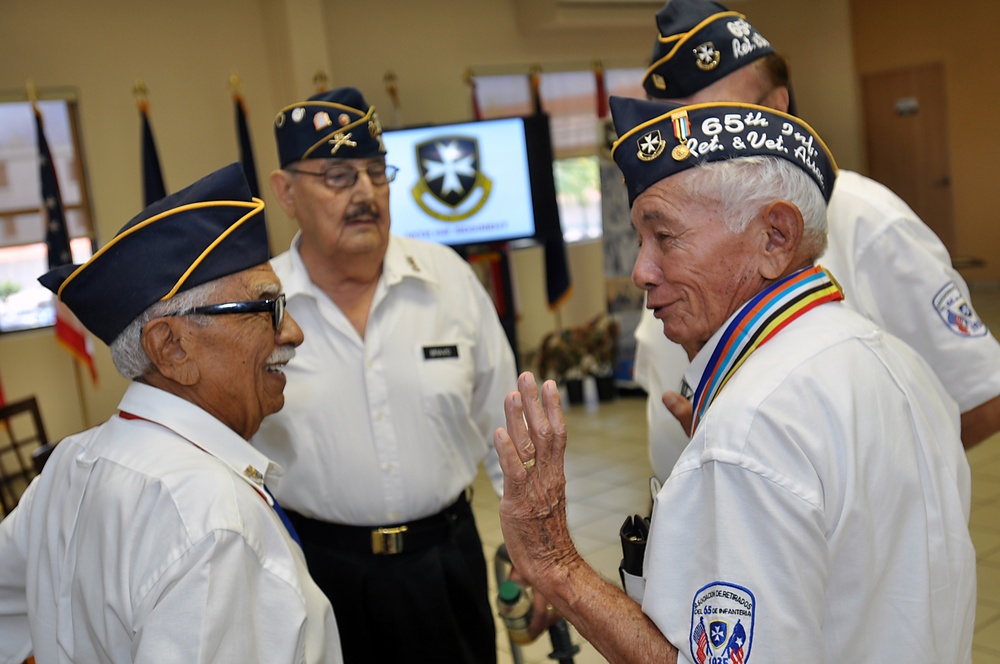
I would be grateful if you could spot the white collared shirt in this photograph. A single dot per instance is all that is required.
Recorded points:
(391, 427)
(149, 538)
(822, 503)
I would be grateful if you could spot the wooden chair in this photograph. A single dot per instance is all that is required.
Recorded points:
(22, 434)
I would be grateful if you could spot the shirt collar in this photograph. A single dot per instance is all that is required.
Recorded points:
(697, 366)
(202, 430)
(403, 263)
(400, 263)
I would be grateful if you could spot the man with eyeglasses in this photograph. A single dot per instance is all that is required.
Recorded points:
(893, 268)
(153, 537)
(392, 399)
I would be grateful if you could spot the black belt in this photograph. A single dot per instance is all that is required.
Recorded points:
(384, 540)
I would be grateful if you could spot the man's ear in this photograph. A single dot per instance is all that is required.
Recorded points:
(281, 185)
(777, 98)
(168, 350)
(783, 227)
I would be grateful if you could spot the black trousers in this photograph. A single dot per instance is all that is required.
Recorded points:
(428, 605)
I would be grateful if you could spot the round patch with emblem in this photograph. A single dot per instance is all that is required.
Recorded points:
(722, 616)
(957, 313)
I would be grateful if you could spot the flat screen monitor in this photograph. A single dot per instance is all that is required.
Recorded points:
(473, 182)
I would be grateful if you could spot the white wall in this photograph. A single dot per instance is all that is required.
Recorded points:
(186, 51)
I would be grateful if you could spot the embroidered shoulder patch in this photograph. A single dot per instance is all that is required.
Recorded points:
(722, 624)
(958, 314)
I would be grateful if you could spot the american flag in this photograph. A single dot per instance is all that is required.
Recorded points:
(69, 332)
(700, 637)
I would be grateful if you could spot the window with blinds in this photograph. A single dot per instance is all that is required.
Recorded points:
(570, 100)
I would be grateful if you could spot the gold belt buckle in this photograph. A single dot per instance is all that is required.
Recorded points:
(387, 541)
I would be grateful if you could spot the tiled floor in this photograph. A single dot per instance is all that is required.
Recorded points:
(608, 471)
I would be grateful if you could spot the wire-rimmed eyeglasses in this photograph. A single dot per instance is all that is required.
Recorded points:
(275, 307)
(342, 176)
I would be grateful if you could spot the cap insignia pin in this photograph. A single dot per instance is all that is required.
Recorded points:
(706, 57)
(651, 146)
(341, 139)
(253, 475)
(344, 119)
(321, 120)
(298, 114)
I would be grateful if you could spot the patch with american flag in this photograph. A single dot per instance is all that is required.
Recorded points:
(722, 617)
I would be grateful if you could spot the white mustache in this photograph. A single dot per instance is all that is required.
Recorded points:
(281, 355)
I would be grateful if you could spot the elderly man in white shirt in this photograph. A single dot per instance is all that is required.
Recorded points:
(820, 511)
(153, 537)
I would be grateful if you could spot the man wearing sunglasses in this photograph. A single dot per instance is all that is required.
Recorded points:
(392, 399)
(153, 537)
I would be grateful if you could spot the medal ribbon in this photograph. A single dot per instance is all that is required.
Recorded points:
(682, 127)
(756, 323)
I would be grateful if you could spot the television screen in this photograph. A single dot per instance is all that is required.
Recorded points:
(473, 182)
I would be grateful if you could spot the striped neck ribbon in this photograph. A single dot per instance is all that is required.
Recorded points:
(756, 323)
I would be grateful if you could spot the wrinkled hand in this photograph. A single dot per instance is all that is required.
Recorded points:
(680, 408)
(533, 507)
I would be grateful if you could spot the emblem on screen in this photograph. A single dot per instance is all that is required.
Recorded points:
(451, 186)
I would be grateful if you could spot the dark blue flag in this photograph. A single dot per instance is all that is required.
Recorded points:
(56, 233)
(69, 332)
(153, 188)
(246, 149)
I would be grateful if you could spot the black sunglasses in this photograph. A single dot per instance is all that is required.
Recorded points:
(275, 307)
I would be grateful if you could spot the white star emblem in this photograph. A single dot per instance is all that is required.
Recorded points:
(452, 165)
(706, 52)
(649, 143)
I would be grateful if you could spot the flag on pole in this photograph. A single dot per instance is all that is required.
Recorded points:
(535, 84)
(153, 188)
(246, 149)
(470, 80)
(70, 333)
(602, 95)
(557, 283)
(558, 287)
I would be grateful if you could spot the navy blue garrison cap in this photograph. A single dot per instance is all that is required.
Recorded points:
(659, 139)
(204, 232)
(336, 124)
(699, 42)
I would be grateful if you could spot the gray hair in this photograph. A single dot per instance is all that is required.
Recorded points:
(744, 185)
(127, 353)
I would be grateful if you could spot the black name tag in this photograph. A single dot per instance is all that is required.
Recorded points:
(440, 352)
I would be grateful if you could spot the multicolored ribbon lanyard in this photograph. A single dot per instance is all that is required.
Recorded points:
(756, 323)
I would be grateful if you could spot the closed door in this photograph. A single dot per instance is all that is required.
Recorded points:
(906, 124)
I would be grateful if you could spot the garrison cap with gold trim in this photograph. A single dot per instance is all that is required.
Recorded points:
(206, 231)
(336, 124)
(658, 139)
(699, 42)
